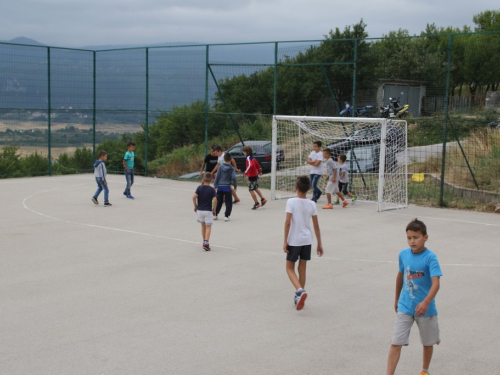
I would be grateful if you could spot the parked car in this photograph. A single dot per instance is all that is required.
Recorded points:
(262, 151)
(365, 143)
(495, 124)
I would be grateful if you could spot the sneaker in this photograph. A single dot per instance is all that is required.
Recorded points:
(130, 196)
(353, 199)
(301, 295)
(296, 299)
(328, 207)
(336, 201)
(256, 205)
(206, 246)
(236, 201)
(107, 204)
(424, 373)
(226, 218)
(345, 203)
(216, 217)
(95, 200)
(125, 193)
(263, 201)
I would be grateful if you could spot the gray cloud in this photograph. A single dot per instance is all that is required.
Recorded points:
(92, 22)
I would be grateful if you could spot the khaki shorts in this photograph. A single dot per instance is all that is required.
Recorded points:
(332, 187)
(206, 217)
(427, 326)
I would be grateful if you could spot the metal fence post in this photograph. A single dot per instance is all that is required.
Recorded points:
(275, 89)
(445, 128)
(207, 61)
(146, 126)
(93, 104)
(49, 109)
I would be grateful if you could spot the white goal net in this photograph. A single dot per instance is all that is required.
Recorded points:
(375, 149)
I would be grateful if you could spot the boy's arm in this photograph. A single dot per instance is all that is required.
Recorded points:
(318, 235)
(202, 168)
(399, 287)
(215, 168)
(195, 198)
(288, 222)
(233, 175)
(216, 181)
(334, 178)
(234, 165)
(214, 205)
(421, 308)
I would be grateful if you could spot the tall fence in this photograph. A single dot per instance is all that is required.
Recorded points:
(58, 105)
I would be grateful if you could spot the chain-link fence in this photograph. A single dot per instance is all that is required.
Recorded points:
(59, 105)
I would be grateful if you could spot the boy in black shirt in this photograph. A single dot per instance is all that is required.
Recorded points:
(209, 162)
(205, 201)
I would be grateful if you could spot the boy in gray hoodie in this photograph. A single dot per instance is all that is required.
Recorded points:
(225, 176)
(100, 178)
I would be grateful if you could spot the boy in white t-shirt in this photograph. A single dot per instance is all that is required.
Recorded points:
(298, 237)
(314, 160)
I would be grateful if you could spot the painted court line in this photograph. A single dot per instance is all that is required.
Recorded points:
(24, 203)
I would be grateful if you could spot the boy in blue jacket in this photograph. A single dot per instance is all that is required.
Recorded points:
(100, 178)
(225, 176)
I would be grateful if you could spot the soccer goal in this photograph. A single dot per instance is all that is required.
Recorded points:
(375, 149)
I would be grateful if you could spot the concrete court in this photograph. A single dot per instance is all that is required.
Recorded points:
(128, 289)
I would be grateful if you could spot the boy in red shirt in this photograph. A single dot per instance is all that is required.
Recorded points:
(253, 171)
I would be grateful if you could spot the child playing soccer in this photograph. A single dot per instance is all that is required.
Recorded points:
(417, 283)
(205, 200)
(253, 171)
(225, 176)
(100, 177)
(298, 237)
(220, 160)
(209, 162)
(332, 176)
(128, 165)
(314, 160)
(343, 181)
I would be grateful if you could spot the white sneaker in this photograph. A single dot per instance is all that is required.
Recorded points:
(226, 219)
(216, 217)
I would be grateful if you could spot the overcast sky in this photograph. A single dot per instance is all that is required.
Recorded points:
(70, 23)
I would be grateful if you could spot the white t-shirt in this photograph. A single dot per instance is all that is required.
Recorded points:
(343, 169)
(220, 159)
(300, 229)
(314, 156)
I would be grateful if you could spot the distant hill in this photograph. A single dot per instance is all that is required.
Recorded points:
(24, 40)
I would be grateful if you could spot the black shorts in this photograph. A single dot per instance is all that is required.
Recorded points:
(294, 252)
(343, 187)
(252, 183)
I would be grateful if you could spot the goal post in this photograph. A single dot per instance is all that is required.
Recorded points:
(375, 149)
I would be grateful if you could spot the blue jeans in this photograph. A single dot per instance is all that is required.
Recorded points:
(314, 184)
(100, 187)
(129, 176)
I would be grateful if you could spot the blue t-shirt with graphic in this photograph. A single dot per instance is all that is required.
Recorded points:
(417, 270)
(129, 159)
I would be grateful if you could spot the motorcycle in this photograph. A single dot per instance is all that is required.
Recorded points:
(358, 112)
(394, 109)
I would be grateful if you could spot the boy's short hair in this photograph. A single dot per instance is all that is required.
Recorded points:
(227, 157)
(248, 150)
(207, 177)
(417, 226)
(217, 148)
(342, 157)
(328, 151)
(213, 147)
(303, 183)
(130, 144)
(318, 143)
(102, 153)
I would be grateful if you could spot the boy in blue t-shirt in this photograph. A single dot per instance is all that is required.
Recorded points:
(128, 165)
(417, 283)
